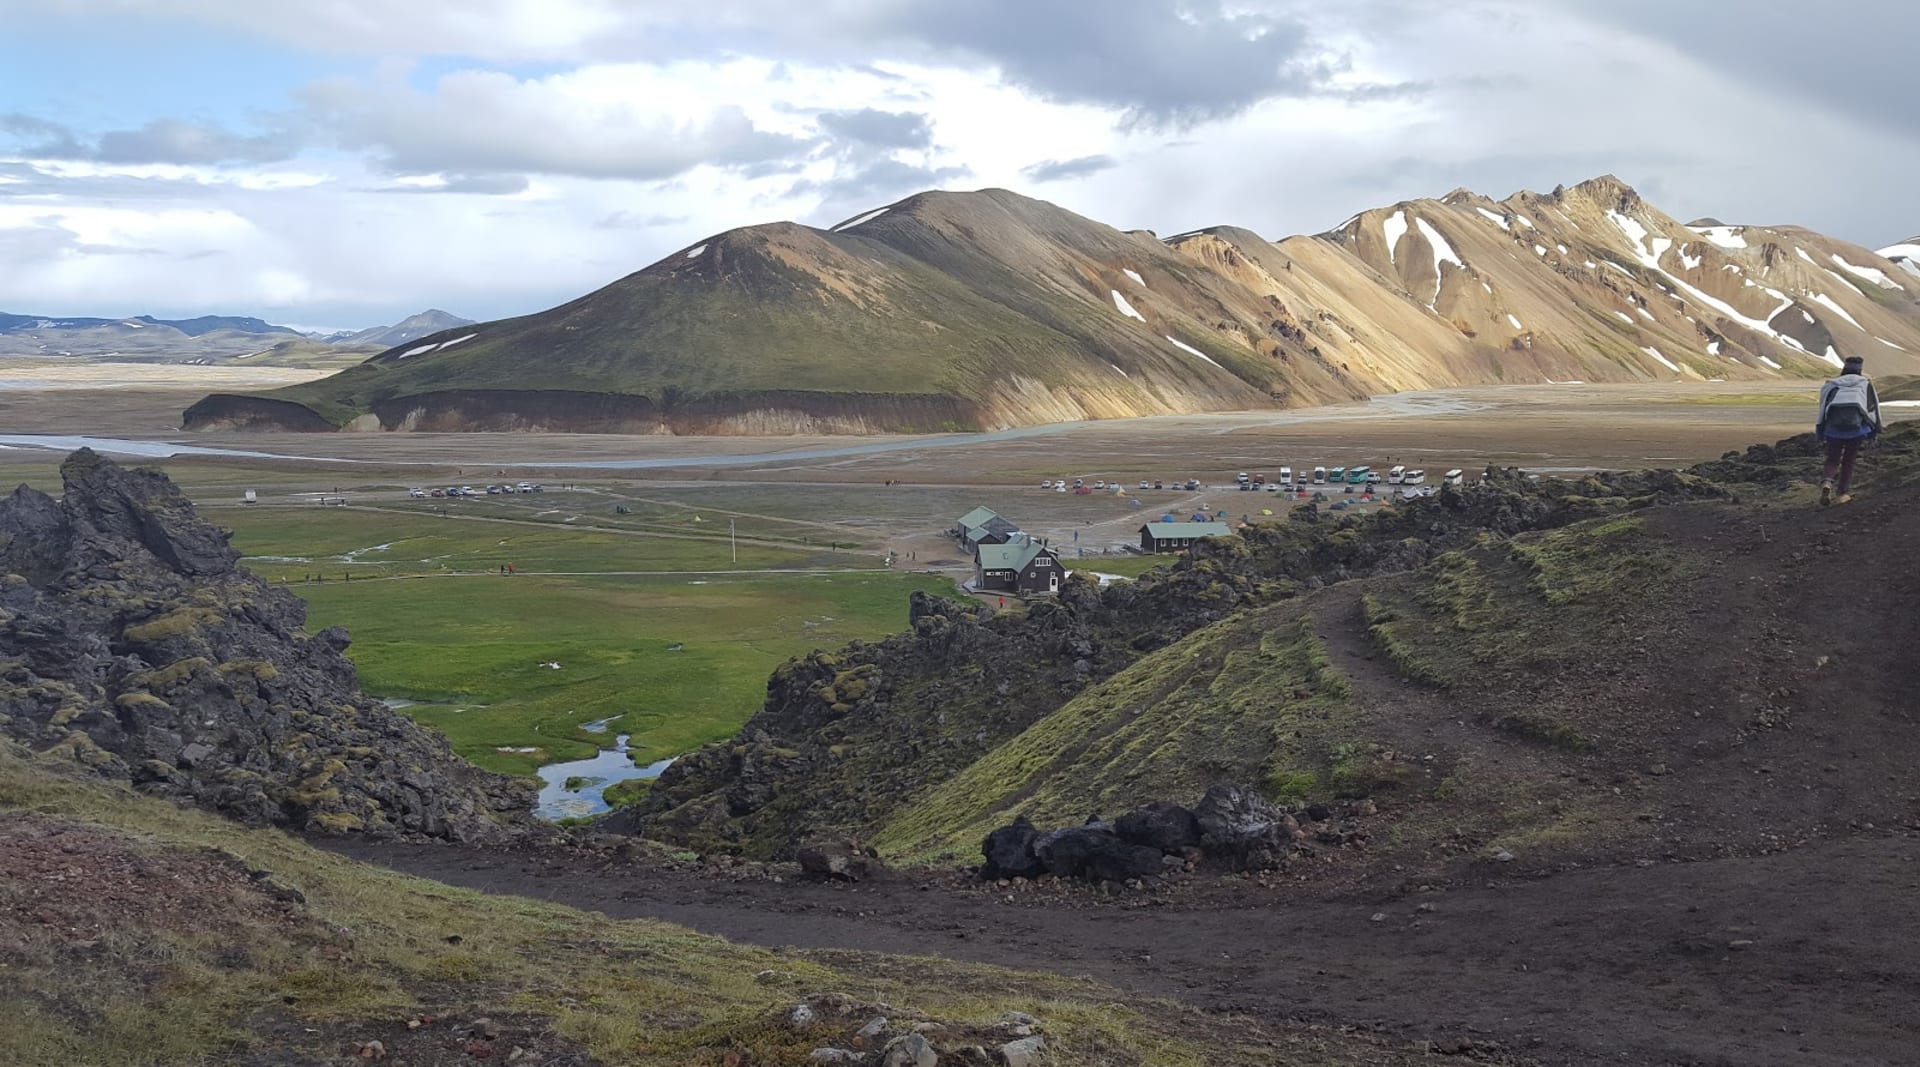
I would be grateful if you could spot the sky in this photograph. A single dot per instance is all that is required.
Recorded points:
(344, 163)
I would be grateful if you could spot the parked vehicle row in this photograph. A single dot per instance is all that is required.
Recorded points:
(468, 490)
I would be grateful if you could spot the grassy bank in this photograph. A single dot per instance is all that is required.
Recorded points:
(680, 661)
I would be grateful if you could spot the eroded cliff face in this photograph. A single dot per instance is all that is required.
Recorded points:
(133, 645)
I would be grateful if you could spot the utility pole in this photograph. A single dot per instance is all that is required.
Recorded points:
(732, 543)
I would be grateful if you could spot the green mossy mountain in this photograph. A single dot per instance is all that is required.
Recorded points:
(987, 310)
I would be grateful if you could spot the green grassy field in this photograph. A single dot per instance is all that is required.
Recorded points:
(293, 542)
(470, 650)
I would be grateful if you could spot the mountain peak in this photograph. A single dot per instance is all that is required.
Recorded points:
(1609, 192)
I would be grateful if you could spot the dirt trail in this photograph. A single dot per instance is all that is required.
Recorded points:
(1782, 697)
(1722, 962)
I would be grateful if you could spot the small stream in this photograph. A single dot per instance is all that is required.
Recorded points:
(598, 772)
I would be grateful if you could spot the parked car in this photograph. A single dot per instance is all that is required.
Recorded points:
(493, 490)
(438, 494)
(1192, 484)
(1156, 485)
(1101, 484)
(1143, 484)
(416, 494)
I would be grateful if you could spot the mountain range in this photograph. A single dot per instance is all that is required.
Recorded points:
(985, 310)
(411, 328)
(206, 339)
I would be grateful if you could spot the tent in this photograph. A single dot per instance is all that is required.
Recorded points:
(1168, 517)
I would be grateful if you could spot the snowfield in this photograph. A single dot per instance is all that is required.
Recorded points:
(1497, 220)
(1869, 273)
(694, 252)
(1120, 304)
(1725, 236)
(1395, 227)
(1442, 253)
(1137, 279)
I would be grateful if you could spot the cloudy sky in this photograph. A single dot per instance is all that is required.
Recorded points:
(346, 162)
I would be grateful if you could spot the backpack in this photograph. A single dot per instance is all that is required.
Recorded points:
(1846, 412)
(1845, 419)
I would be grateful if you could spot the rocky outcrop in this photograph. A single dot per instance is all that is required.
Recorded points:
(132, 644)
(1233, 828)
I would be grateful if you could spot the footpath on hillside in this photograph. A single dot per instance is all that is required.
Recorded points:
(1741, 961)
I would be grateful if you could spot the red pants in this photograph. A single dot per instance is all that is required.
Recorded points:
(1840, 457)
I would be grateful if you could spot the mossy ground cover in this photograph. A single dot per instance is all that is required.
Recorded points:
(680, 661)
(1250, 699)
(115, 985)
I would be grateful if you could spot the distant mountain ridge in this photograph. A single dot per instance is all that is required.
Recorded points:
(194, 327)
(205, 339)
(985, 310)
(411, 328)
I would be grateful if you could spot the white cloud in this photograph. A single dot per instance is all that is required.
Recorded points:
(647, 128)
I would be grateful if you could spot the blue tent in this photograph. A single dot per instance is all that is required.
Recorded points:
(1168, 517)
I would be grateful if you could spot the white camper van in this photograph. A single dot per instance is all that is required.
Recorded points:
(1456, 477)
(1396, 476)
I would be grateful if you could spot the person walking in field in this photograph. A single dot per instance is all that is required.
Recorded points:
(1849, 417)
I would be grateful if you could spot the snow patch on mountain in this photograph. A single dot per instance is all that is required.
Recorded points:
(1664, 361)
(868, 217)
(1395, 227)
(1190, 350)
(1872, 274)
(1137, 279)
(1442, 253)
(1725, 236)
(1516, 321)
(1120, 304)
(1495, 218)
(1827, 302)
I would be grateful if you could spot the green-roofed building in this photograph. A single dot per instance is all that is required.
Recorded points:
(1023, 567)
(1178, 536)
(982, 526)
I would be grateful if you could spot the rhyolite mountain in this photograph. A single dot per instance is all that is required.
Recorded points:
(971, 311)
(134, 647)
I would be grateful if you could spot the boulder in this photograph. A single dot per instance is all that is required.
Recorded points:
(1242, 829)
(1009, 852)
(1024, 1052)
(911, 1050)
(838, 861)
(1162, 825)
(1097, 855)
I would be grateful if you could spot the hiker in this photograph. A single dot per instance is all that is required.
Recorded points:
(1849, 417)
